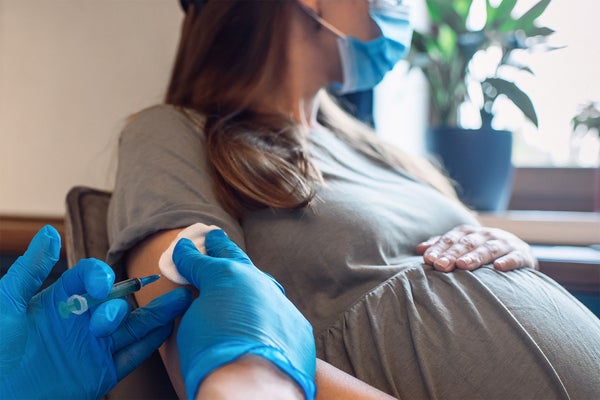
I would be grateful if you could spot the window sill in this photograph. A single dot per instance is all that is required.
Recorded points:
(548, 227)
(575, 268)
(564, 242)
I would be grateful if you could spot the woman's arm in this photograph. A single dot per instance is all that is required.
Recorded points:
(233, 380)
(249, 378)
(334, 384)
(143, 260)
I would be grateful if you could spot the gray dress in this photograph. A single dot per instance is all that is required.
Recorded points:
(347, 262)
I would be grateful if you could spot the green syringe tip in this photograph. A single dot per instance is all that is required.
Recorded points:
(149, 279)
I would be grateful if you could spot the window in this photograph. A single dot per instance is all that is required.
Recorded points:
(564, 79)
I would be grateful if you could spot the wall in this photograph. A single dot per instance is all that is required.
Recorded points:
(71, 71)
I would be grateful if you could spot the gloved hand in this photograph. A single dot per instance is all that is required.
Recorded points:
(240, 311)
(83, 356)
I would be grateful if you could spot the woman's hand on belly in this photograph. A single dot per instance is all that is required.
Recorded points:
(470, 247)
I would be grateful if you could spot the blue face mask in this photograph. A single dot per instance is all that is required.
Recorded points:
(364, 64)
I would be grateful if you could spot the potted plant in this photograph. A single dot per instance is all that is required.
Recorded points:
(478, 160)
(587, 119)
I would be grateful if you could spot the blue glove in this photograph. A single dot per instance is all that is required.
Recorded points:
(240, 311)
(83, 356)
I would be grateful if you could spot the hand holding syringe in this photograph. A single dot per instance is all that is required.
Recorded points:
(80, 303)
(43, 355)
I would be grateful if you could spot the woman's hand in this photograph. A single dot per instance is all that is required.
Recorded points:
(470, 247)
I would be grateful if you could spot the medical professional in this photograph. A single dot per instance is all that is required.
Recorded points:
(242, 330)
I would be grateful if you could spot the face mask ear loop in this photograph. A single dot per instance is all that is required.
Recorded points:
(321, 21)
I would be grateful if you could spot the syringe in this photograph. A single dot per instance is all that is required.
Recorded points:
(80, 303)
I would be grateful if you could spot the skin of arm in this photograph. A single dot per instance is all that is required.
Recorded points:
(233, 380)
(331, 382)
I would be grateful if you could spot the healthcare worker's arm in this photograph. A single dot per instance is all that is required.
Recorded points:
(83, 356)
(237, 375)
(240, 312)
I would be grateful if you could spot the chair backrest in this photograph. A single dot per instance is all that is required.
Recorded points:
(85, 224)
(86, 236)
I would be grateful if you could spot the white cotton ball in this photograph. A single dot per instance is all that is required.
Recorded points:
(196, 233)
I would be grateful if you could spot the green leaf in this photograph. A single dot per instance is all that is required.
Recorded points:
(509, 61)
(447, 42)
(443, 12)
(589, 123)
(434, 8)
(526, 21)
(497, 16)
(417, 43)
(490, 12)
(462, 7)
(588, 117)
(423, 45)
(516, 95)
(538, 31)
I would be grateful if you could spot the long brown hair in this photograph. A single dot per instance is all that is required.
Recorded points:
(232, 54)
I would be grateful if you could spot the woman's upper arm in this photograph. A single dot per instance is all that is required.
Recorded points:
(142, 260)
(333, 383)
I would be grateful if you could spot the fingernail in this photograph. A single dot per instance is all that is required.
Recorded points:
(52, 241)
(432, 256)
(442, 262)
(467, 260)
(111, 310)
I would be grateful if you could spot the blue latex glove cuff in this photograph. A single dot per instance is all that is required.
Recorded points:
(222, 355)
